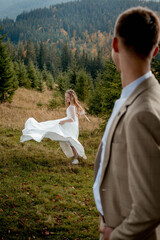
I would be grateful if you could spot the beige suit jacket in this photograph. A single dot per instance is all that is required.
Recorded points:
(130, 179)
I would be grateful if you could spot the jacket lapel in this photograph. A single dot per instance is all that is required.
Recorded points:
(142, 87)
(109, 139)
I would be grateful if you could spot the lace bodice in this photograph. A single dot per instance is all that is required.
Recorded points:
(72, 113)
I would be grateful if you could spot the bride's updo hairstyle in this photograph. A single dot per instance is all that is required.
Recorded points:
(74, 99)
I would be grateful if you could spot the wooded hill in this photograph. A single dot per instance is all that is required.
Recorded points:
(71, 21)
(12, 8)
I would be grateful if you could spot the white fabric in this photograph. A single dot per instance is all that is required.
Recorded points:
(66, 134)
(126, 92)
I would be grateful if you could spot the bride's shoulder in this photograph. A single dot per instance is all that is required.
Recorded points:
(71, 106)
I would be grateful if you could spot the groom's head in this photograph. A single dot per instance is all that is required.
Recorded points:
(139, 30)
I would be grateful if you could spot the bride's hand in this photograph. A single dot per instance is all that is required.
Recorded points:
(61, 122)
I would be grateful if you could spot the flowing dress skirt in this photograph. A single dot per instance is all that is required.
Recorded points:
(66, 134)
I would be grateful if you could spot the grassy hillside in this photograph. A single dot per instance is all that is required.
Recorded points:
(42, 195)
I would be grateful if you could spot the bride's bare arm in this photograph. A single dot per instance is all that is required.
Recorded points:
(65, 121)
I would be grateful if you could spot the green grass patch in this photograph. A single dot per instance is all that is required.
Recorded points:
(42, 195)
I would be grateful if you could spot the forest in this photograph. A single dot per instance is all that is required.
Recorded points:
(68, 44)
(69, 20)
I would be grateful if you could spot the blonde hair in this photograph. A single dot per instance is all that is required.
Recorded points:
(74, 99)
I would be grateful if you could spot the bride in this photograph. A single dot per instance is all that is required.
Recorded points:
(65, 130)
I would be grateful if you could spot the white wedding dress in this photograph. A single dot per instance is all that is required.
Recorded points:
(66, 134)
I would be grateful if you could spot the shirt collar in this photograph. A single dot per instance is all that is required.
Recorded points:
(127, 91)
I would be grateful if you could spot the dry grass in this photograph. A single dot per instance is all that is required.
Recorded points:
(44, 196)
(29, 103)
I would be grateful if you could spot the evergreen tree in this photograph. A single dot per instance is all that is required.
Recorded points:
(11, 50)
(53, 60)
(32, 75)
(36, 50)
(30, 53)
(49, 81)
(20, 51)
(96, 98)
(63, 82)
(66, 57)
(111, 87)
(44, 72)
(107, 90)
(47, 77)
(40, 86)
(72, 76)
(22, 75)
(84, 85)
(43, 53)
(8, 82)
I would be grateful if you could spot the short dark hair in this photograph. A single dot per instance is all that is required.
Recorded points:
(139, 29)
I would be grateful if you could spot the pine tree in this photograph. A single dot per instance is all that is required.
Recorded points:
(30, 53)
(54, 62)
(49, 81)
(107, 90)
(66, 57)
(22, 75)
(63, 82)
(20, 51)
(32, 75)
(43, 53)
(83, 85)
(40, 86)
(44, 72)
(8, 82)
(47, 77)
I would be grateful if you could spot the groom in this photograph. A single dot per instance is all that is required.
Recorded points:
(127, 168)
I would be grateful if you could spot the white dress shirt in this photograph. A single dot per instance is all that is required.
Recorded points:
(126, 92)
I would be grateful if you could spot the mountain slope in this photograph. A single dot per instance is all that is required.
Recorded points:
(11, 8)
(69, 21)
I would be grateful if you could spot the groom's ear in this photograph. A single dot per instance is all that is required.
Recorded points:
(115, 44)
